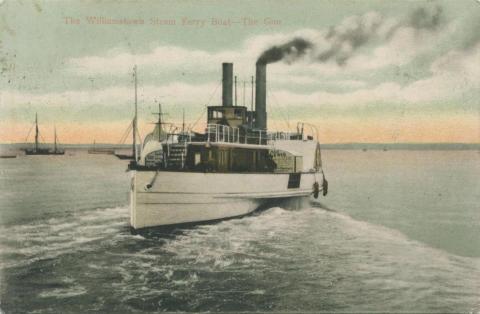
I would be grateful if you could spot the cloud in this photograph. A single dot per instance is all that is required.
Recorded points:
(165, 57)
(294, 80)
(451, 75)
(343, 41)
(358, 43)
(172, 93)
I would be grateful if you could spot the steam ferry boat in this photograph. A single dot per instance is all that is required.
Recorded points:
(232, 169)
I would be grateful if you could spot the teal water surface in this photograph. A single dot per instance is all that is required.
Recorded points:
(398, 231)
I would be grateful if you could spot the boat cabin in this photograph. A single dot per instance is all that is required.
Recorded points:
(228, 159)
(234, 116)
(235, 140)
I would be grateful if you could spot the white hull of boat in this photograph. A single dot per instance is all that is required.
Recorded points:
(168, 198)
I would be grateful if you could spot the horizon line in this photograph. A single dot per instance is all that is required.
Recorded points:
(324, 143)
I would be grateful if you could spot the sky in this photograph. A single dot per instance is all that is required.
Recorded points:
(360, 71)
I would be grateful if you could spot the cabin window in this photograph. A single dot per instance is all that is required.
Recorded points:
(198, 158)
(294, 180)
(238, 113)
(217, 114)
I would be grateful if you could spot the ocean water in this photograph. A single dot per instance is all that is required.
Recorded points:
(399, 231)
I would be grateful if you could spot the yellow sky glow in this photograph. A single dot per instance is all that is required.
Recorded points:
(414, 129)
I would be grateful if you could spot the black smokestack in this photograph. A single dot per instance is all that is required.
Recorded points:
(290, 51)
(227, 84)
(261, 96)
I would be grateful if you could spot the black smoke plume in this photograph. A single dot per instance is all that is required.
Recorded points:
(341, 42)
(290, 51)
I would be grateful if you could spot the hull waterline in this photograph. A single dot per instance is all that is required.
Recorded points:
(157, 200)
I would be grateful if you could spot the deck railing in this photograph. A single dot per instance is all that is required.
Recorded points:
(222, 133)
(219, 133)
(225, 134)
(282, 136)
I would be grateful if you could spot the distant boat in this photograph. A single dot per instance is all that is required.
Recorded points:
(37, 150)
(124, 156)
(95, 150)
(8, 156)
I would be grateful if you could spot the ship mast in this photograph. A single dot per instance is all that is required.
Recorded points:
(55, 139)
(251, 104)
(134, 130)
(159, 114)
(183, 120)
(235, 90)
(36, 132)
(158, 130)
(244, 93)
(159, 121)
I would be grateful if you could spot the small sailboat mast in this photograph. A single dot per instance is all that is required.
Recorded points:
(55, 139)
(36, 132)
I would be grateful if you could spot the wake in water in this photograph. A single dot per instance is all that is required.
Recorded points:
(297, 259)
(49, 238)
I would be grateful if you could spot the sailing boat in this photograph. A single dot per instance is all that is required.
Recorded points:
(96, 150)
(56, 151)
(37, 150)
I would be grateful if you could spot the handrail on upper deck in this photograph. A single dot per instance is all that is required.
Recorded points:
(226, 134)
(313, 129)
(222, 133)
